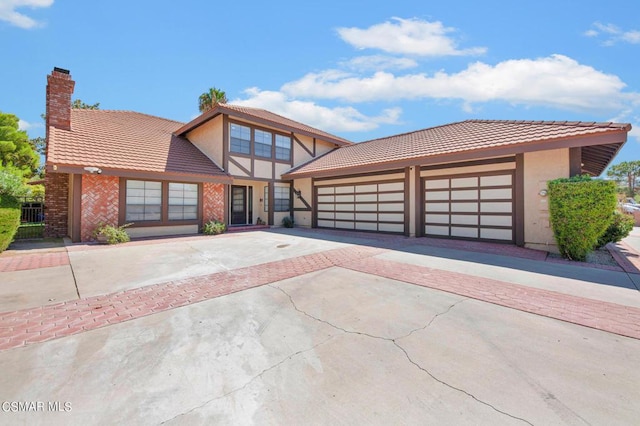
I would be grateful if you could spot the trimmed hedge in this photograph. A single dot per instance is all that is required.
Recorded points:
(9, 220)
(580, 211)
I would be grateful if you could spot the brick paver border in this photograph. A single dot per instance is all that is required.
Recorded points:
(33, 261)
(34, 325)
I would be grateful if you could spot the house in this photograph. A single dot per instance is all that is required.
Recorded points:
(476, 179)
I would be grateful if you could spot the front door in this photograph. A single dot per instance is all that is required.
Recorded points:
(238, 205)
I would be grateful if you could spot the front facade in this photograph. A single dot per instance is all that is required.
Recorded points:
(477, 180)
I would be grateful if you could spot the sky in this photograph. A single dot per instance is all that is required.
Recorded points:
(357, 70)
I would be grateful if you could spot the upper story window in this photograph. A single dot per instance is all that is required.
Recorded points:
(240, 139)
(263, 142)
(283, 148)
(259, 142)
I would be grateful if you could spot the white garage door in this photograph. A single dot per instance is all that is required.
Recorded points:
(476, 206)
(362, 206)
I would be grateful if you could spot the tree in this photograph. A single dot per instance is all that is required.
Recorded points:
(626, 173)
(78, 104)
(16, 151)
(210, 99)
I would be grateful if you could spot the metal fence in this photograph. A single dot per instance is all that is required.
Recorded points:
(31, 219)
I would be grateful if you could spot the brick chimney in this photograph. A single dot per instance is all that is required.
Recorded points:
(59, 91)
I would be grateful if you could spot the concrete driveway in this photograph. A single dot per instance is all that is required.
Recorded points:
(324, 328)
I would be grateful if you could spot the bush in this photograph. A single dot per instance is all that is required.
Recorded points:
(112, 234)
(287, 222)
(12, 184)
(620, 227)
(580, 211)
(214, 227)
(9, 220)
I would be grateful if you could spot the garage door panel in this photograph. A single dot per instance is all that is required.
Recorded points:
(436, 207)
(436, 184)
(391, 227)
(464, 182)
(457, 231)
(367, 188)
(326, 207)
(367, 226)
(496, 220)
(345, 216)
(496, 194)
(438, 195)
(501, 180)
(458, 219)
(345, 189)
(393, 196)
(436, 218)
(326, 199)
(326, 223)
(345, 225)
(466, 194)
(325, 190)
(344, 207)
(464, 207)
(437, 230)
(496, 207)
(497, 234)
(391, 207)
(395, 186)
(326, 215)
(366, 197)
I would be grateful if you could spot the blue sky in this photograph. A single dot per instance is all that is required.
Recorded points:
(347, 67)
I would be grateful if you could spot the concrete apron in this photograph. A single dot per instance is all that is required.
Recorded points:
(331, 347)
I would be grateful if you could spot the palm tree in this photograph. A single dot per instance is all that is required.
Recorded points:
(210, 99)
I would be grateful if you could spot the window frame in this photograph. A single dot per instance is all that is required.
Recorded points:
(275, 135)
(277, 201)
(164, 203)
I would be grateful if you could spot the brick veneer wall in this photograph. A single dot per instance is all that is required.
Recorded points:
(56, 202)
(100, 203)
(212, 201)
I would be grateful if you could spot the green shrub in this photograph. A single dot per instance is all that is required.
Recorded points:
(12, 184)
(112, 234)
(9, 220)
(214, 227)
(580, 211)
(287, 222)
(620, 227)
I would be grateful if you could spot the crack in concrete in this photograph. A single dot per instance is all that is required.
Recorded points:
(254, 378)
(406, 354)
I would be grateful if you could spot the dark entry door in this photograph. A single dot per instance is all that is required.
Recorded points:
(238, 205)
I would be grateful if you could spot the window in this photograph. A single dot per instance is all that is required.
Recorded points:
(240, 139)
(281, 198)
(263, 143)
(144, 201)
(283, 148)
(148, 201)
(183, 201)
(266, 198)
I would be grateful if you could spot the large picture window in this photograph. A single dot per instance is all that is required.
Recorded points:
(144, 201)
(163, 202)
(240, 139)
(281, 198)
(283, 148)
(183, 201)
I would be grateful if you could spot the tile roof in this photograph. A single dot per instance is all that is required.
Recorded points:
(261, 116)
(475, 137)
(130, 141)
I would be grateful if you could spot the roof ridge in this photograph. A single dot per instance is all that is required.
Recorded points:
(553, 123)
(128, 112)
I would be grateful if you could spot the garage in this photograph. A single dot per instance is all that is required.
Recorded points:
(477, 206)
(366, 206)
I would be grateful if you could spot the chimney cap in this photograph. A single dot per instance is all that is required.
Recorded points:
(60, 70)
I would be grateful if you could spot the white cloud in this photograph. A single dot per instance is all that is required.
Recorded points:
(407, 37)
(613, 34)
(25, 125)
(338, 119)
(379, 63)
(556, 81)
(9, 14)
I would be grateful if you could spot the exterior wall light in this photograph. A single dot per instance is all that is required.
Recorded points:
(93, 170)
(543, 193)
